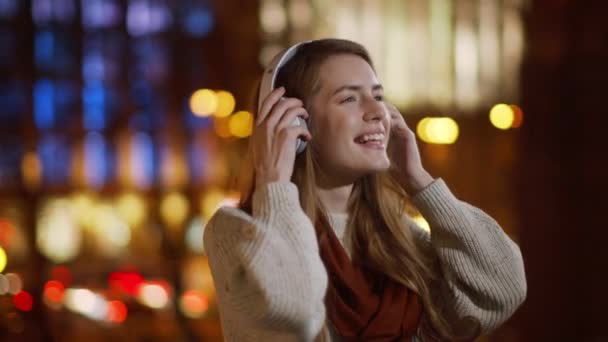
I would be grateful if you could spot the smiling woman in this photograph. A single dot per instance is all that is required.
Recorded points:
(320, 247)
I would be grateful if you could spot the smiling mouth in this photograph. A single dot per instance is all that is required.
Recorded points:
(375, 141)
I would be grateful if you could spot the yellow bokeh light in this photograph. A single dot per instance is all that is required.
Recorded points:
(58, 235)
(203, 102)
(438, 130)
(221, 127)
(3, 259)
(174, 209)
(83, 209)
(421, 129)
(131, 208)
(225, 104)
(210, 201)
(241, 124)
(502, 116)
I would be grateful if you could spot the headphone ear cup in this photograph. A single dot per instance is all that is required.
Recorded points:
(301, 143)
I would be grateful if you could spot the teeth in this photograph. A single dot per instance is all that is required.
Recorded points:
(368, 137)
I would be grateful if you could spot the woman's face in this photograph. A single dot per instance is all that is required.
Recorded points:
(352, 124)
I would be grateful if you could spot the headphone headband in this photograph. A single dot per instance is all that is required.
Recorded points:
(268, 83)
(272, 70)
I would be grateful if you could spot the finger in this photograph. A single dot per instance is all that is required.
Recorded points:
(294, 132)
(393, 111)
(290, 117)
(267, 104)
(279, 110)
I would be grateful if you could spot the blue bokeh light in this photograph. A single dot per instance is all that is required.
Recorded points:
(54, 154)
(98, 104)
(97, 160)
(100, 14)
(143, 160)
(198, 21)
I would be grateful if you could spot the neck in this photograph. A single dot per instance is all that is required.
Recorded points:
(335, 196)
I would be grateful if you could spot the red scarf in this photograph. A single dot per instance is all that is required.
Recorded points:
(358, 309)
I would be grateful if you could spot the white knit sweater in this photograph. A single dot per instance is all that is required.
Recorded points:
(270, 279)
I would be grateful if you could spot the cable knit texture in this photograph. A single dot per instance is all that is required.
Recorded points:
(270, 280)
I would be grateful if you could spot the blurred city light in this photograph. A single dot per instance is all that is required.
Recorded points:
(501, 116)
(96, 159)
(438, 130)
(31, 170)
(15, 284)
(83, 209)
(241, 124)
(141, 160)
(225, 104)
(125, 282)
(86, 303)
(210, 201)
(194, 235)
(174, 209)
(57, 235)
(300, 13)
(518, 116)
(4, 287)
(99, 14)
(204, 102)
(132, 209)
(197, 275)
(221, 126)
(198, 20)
(153, 294)
(3, 259)
(117, 311)
(48, 11)
(62, 274)
(194, 304)
(23, 301)
(146, 17)
(273, 16)
(112, 233)
(53, 293)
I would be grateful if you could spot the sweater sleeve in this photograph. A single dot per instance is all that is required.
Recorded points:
(483, 273)
(266, 266)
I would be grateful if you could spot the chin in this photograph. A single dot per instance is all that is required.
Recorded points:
(378, 167)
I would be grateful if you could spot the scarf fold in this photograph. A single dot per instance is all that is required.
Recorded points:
(358, 308)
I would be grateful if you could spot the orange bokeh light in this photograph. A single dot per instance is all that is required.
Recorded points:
(194, 302)
(54, 291)
(117, 311)
(518, 116)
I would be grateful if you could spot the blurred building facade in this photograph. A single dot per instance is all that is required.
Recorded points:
(123, 124)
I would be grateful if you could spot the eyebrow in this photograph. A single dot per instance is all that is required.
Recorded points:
(357, 88)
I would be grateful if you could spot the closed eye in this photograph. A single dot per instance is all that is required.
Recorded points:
(348, 99)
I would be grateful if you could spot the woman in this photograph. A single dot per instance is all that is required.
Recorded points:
(321, 249)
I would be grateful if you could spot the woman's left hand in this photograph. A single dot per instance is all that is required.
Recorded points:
(406, 164)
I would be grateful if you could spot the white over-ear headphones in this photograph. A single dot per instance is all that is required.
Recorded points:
(268, 83)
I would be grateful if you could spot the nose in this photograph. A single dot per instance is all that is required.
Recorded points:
(374, 110)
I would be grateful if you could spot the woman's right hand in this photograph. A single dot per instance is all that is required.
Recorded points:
(274, 137)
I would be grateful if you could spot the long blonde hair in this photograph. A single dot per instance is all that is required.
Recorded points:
(380, 238)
